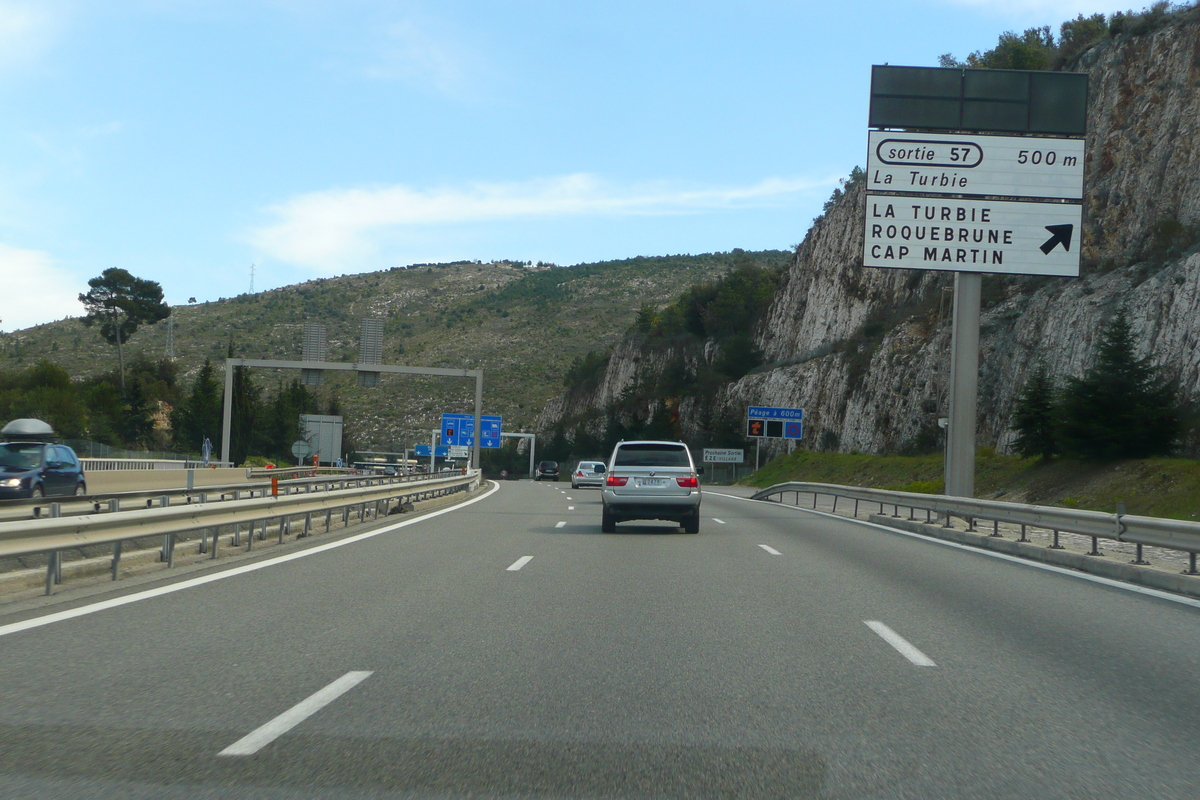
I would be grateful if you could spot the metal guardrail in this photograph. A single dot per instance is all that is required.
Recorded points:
(275, 472)
(56, 533)
(1170, 534)
(110, 464)
(80, 503)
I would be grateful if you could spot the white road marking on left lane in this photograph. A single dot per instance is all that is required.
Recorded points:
(900, 643)
(770, 549)
(520, 562)
(561, 524)
(260, 737)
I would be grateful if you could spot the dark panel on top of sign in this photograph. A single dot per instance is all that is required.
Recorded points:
(1009, 101)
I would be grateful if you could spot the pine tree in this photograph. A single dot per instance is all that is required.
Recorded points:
(1123, 407)
(199, 417)
(1035, 418)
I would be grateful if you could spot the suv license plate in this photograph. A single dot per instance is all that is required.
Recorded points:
(653, 482)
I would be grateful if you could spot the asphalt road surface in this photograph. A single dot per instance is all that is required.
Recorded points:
(508, 649)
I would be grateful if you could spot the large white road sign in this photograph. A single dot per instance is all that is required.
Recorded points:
(972, 235)
(968, 164)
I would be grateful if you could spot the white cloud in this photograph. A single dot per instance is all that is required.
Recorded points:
(26, 30)
(35, 290)
(414, 54)
(330, 230)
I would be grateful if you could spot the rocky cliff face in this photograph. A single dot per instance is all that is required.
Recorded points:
(865, 351)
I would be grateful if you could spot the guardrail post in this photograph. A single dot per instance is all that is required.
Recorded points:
(308, 524)
(835, 499)
(1056, 545)
(1023, 538)
(328, 518)
(283, 521)
(1138, 557)
(1191, 570)
(114, 506)
(163, 502)
(995, 528)
(856, 508)
(51, 559)
(1095, 551)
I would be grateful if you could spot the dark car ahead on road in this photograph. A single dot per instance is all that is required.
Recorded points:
(546, 470)
(38, 469)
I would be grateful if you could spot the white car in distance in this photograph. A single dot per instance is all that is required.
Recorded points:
(588, 473)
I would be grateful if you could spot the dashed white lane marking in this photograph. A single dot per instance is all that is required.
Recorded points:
(770, 549)
(570, 508)
(561, 524)
(966, 548)
(520, 562)
(259, 738)
(900, 643)
(718, 521)
(570, 498)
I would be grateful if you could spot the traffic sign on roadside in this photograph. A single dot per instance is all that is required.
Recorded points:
(774, 423)
(961, 235)
(715, 455)
(973, 164)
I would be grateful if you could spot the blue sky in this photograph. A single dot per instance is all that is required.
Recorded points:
(185, 140)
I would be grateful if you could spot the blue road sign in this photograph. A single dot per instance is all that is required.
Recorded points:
(775, 423)
(459, 430)
(766, 412)
(422, 451)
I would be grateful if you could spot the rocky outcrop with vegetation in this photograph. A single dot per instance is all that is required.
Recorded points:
(865, 351)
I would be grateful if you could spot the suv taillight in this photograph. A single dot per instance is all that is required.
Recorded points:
(613, 480)
(688, 483)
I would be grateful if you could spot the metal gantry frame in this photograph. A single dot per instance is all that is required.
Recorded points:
(532, 437)
(344, 366)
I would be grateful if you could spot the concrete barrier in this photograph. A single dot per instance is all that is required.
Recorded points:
(132, 480)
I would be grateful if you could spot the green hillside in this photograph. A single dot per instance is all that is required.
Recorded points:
(522, 325)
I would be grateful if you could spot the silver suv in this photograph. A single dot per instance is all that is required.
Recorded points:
(651, 480)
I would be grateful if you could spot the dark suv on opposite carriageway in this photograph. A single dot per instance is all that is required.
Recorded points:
(651, 480)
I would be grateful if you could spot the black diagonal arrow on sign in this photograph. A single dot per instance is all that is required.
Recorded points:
(1061, 234)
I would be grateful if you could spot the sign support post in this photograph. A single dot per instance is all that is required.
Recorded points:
(964, 386)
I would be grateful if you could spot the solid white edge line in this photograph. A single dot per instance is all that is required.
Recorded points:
(770, 550)
(262, 736)
(1083, 576)
(560, 524)
(520, 562)
(59, 616)
(901, 644)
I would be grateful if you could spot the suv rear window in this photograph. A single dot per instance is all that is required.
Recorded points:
(651, 455)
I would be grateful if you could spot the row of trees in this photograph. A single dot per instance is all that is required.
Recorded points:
(1123, 407)
(156, 411)
(1037, 48)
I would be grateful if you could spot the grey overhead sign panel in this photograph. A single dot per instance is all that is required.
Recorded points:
(1002, 101)
(971, 164)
